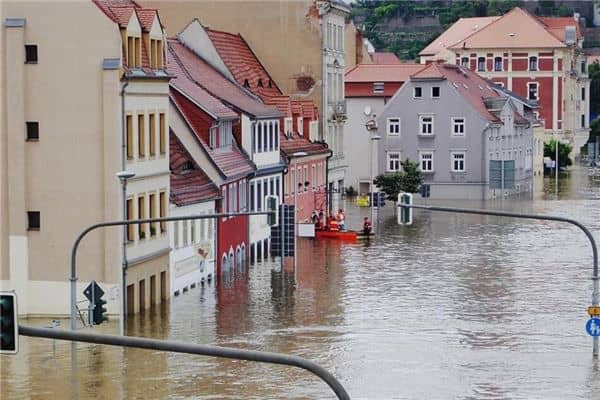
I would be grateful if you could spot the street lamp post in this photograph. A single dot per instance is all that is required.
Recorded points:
(371, 126)
(123, 177)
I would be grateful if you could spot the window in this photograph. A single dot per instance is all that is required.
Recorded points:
(532, 91)
(184, 233)
(130, 216)
(129, 120)
(152, 214)
(33, 220)
(498, 64)
(425, 125)
(481, 64)
(271, 137)
(225, 133)
(156, 57)
(254, 137)
(378, 87)
(33, 130)
(252, 202)
(265, 138)
(152, 132)
(130, 50)
(583, 120)
(501, 84)
(435, 92)
(300, 123)
(533, 63)
(162, 213)
(583, 67)
(258, 196)
(458, 126)
(192, 232)
(464, 62)
(141, 137)
(393, 161)
(142, 215)
(31, 54)
(426, 161)
(536, 115)
(393, 126)
(212, 137)
(458, 162)
(582, 94)
(162, 122)
(289, 126)
(418, 92)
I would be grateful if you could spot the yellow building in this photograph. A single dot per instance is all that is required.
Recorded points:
(65, 66)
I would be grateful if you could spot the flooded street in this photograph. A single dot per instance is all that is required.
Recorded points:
(452, 307)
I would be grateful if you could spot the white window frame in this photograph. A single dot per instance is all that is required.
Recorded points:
(212, 137)
(397, 125)
(484, 64)
(454, 123)
(537, 90)
(415, 92)
(453, 160)
(397, 162)
(378, 87)
(421, 158)
(422, 124)
(300, 123)
(462, 62)
(439, 92)
(501, 64)
(289, 126)
(537, 63)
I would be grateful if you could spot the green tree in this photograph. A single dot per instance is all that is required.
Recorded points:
(563, 152)
(408, 180)
(594, 73)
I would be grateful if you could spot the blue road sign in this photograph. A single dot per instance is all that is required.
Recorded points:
(593, 327)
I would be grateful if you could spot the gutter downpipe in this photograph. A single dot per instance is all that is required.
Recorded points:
(123, 274)
(483, 164)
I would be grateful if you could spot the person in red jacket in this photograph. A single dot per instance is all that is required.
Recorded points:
(367, 226)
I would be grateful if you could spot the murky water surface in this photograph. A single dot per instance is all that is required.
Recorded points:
(453, 307)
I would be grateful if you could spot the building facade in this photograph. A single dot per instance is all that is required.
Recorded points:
(192, 258)
(539, 58)
(113, 76)
(299, 42)
(368, 87)
(456, 126)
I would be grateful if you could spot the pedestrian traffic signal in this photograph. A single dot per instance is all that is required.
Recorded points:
(273, 217)
(9, 329)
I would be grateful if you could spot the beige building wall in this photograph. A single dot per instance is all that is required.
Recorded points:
(68, 175)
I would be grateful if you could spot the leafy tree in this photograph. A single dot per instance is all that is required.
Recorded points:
(563, 152)
(407, 180)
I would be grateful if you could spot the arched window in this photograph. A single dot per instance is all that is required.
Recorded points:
(481, 64)
(224, 263)
(498, 64)
(533, 63)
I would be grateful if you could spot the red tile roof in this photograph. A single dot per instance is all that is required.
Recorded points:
(189, 186)
(515, 29)
(384, 58)
(146, 17)
(217, 84)
(122, 15)
(243, 63)
(466, 83)
(381, 72)
(457, 32)
(231, 162)
(201, 97)
(297, 143)
(281, 102)
(557, 25)
(309, 110)
(107, 7)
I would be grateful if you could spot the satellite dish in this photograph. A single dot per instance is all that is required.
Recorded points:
(367, 110)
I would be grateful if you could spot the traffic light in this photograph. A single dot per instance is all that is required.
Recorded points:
(273, 217)
(9, 329)
(405, 214)
(94, 294)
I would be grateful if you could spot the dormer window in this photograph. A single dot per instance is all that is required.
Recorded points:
(246, 84)
(481, 64)
(300, 122)
(225, 133)
(289, 127)
(260, 84)
(134, 52)
(187, 166)
(156, 54)
(212, 137)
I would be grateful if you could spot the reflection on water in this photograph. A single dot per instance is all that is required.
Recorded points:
(454, 306)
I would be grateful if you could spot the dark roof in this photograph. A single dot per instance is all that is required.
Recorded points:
(231, 162)
(188, 186)
(217, 84)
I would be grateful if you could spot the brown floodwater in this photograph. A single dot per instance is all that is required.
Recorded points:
(452, 307)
